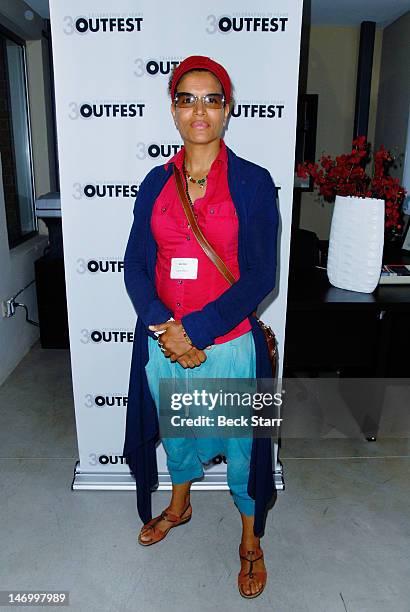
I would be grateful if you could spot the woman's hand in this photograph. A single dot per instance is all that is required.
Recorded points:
(172, 340)
(192, 358)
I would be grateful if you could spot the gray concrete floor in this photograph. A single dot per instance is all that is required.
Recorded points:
(337, 539)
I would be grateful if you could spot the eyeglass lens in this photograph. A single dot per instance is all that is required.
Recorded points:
(188, 100)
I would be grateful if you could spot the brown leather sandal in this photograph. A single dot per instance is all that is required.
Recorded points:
(243, 577)
(157, 534)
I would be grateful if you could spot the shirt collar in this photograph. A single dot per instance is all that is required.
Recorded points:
(178, 159)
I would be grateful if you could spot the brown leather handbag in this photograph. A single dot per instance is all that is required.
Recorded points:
(217, 261)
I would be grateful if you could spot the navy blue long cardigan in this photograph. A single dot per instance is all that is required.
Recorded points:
(254, 196)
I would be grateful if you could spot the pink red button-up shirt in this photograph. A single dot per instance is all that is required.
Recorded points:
(216, 216)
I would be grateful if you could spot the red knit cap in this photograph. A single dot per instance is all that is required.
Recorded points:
(200, 61)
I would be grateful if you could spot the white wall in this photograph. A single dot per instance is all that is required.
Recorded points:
(16, 271)
(394, 91)
(332, 72)
(17, 266)
(12, 16)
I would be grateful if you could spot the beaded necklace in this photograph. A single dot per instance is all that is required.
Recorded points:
(186, 190)
(201, 182)
(188, 177)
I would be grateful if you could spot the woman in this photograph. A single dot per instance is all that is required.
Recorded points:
(191, 322)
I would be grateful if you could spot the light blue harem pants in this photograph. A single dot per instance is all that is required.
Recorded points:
(233, 359)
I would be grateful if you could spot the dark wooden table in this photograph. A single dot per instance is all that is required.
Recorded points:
(331, 328)
(350, 334)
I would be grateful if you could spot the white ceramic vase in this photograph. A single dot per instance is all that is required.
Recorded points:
(356, 243)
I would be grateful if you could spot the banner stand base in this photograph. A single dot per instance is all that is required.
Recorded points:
(123, 481)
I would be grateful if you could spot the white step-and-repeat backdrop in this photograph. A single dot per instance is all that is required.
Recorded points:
(112, 62)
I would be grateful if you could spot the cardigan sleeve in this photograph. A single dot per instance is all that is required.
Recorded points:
(141, 289)
(241, 299)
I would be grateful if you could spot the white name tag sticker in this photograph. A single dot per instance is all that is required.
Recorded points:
(184, 267)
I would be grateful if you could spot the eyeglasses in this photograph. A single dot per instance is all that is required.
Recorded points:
(184, 99)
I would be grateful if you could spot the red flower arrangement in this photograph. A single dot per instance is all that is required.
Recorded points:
(347, 176)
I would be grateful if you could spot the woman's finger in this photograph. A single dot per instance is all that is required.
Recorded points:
(160, 326)
(201, 356)
(192, 358)
(198, 356)
(195, 359)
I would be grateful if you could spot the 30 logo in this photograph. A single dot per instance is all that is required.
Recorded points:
(113, 459)
(153, 67)
(95, 459)
(91, 401)
(106, 110)
(87, 25)
(157, 150)
(97, 336)
(106, 190)
(226, 24)
(94, 266)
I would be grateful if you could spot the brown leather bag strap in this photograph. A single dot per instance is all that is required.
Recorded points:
(217, 261)
(206, 247)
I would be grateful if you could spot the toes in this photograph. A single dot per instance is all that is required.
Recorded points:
(251, 588)
(255, 587)
(146, 535)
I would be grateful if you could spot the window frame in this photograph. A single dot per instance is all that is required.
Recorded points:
(6, 33)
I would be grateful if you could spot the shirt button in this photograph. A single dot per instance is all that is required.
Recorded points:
(178, 303)
(188, 237)
(180, 282)
(212, 211)
(163, 209)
